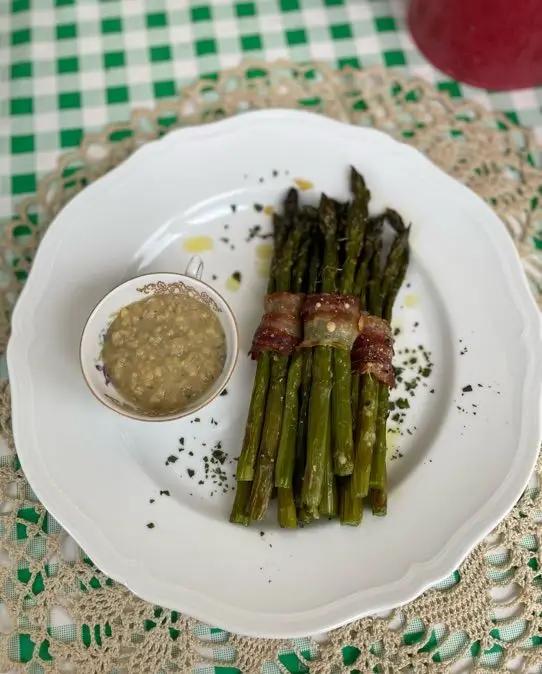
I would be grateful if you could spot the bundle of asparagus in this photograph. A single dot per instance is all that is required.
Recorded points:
(316, 427)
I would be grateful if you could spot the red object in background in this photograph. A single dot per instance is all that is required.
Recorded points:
(496, 44)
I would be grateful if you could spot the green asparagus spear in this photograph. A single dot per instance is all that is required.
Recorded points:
(299, 272)
(287, 515)
(303, 419)
(253, 429)
(374, 297)
(249, 451)
(379, 501)
(329, 499)
(396, 267)
(282, 225)
(342, 437)
(394, 219)
(263, 482)
(306, 379)
(394, 272)
(369, 392)
(372, 237)
(286, 450)
(322, 374)
(356, 224)
(239, 514)
(304, 516)
(288, 254)
(343, 441)
(328, 223)
(351, 506)
(355, 400)
(284, 469)
(341, 213)
(378, 476)
(360, 283)
(393, 288)
(366, 437)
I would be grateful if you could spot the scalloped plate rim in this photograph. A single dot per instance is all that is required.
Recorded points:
(420, 575)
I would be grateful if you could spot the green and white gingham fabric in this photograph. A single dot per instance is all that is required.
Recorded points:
(72, 66)
(68, 67)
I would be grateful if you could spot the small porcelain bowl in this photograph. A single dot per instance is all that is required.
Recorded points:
(138, 288)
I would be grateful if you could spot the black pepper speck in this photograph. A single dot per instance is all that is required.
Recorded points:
(256, 232)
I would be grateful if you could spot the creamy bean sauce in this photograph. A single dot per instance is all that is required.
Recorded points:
(164, 352)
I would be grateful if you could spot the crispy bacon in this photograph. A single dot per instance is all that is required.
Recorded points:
(280, 327)
(330, 319)
(372, 352)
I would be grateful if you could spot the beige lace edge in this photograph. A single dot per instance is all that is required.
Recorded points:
(115, 632)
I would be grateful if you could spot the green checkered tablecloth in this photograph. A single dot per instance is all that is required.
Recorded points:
(68, 67)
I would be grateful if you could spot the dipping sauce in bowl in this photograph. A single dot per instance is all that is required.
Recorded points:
(164, 352)
(159, 346)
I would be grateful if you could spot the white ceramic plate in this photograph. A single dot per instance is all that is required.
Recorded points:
(466, 301)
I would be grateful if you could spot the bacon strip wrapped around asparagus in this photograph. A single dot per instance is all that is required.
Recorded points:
(280, 329)
(372, 352)
(330, 319)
